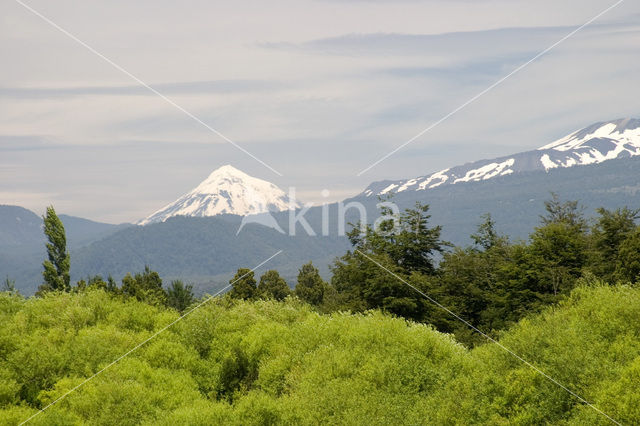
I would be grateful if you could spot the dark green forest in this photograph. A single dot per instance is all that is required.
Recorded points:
(409, 330)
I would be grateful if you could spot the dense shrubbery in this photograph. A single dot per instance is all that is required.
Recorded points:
(265, 362)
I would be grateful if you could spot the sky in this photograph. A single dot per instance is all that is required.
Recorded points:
(316, 90)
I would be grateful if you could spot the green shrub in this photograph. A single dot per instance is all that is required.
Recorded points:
(268, 362)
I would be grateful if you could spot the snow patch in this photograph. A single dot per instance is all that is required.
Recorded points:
(547, 163)
(441, 176)
(486, 172)
(409, 183)
(388, 188)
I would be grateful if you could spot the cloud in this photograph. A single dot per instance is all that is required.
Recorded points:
(479, 70)
(177, 88)
(464, 45)
(28, 143)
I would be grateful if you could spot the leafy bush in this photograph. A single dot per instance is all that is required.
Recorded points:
(268, 362)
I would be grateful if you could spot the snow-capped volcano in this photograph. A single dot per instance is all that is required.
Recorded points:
(594, 144)
(226, 191)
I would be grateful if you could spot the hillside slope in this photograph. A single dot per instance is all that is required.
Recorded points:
(201, 249)
(20, 229)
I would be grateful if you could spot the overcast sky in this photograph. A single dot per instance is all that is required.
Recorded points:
(318, 90)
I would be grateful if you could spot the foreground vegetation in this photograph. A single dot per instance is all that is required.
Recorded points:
(364, 348)
(266, 362)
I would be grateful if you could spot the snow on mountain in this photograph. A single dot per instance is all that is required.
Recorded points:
(594, 144)
(226, 191)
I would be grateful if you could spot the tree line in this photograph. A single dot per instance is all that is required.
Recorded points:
(492, 283)
(147, 286)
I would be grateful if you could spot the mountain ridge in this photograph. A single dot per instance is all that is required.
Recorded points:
(593, 144)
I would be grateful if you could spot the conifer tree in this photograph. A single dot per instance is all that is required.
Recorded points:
(56, 267)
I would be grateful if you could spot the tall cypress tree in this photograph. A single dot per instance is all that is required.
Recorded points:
(56, 268)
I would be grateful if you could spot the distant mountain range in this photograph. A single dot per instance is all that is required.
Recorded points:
(196, 238)
(226, 191)
(592, 145)
(21, 230)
